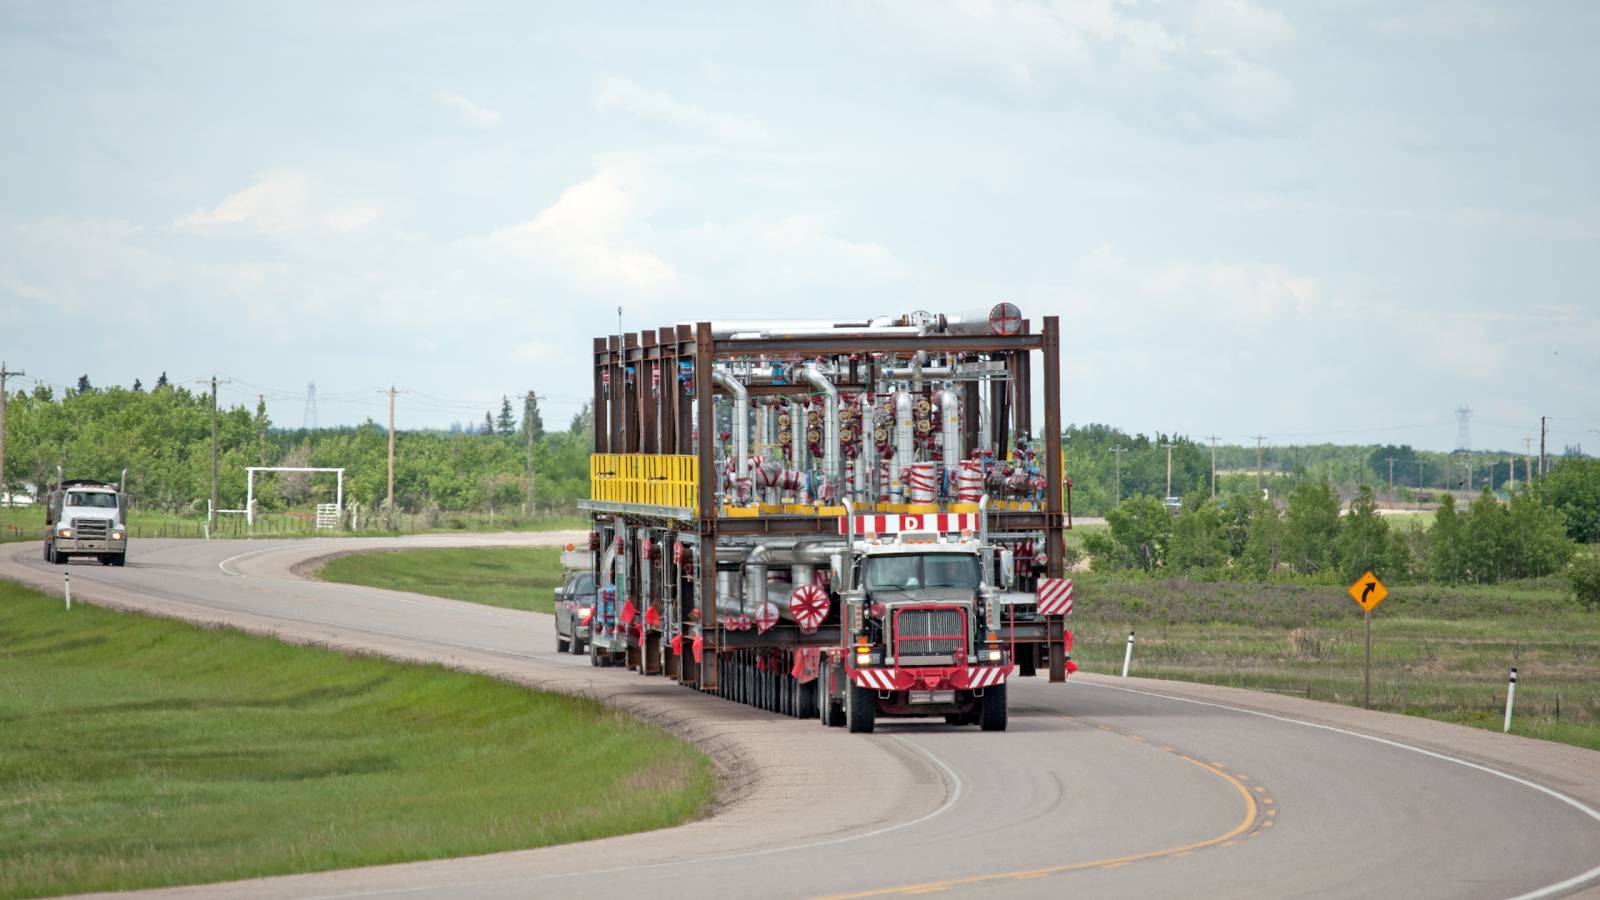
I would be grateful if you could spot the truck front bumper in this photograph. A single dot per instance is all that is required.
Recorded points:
(74, 545)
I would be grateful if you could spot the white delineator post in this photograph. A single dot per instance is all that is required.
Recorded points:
(66, 586)
(1511, 696)
(1127, 656)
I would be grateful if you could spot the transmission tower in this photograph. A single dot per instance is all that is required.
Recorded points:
(1463, 430)
(309, 420)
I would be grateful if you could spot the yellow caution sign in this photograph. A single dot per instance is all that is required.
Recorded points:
(1368, 591)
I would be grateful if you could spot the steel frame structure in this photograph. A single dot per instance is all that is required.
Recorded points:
(645, 388)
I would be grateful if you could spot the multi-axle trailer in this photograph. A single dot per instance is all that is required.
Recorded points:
(845, 520)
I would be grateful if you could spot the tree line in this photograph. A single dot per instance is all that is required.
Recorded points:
(162, 436)
(1313, 534)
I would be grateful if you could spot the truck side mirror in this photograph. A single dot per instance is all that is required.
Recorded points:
(836, 571)
(1008, 569)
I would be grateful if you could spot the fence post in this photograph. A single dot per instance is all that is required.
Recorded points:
(1511, 697)
(1127, 656)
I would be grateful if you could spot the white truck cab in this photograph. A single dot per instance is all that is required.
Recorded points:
(86, 518)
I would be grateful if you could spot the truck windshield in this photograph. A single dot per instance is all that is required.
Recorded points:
(93, 499)
(928, 570)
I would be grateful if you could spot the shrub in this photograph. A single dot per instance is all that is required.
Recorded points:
(1584, 579)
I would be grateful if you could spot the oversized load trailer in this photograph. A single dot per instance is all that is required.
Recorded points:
(846, 520)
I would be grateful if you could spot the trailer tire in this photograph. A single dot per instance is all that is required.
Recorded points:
(861, 709)
(992, 709)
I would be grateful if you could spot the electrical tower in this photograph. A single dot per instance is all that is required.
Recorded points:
(309, 420)
(1463, 430)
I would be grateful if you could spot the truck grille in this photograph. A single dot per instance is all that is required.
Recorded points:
(916, 627)
(91, 529)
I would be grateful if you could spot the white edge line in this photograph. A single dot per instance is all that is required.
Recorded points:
(957, 786)
(224, 564)
(1579, 805)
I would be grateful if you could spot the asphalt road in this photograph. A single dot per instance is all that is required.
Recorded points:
(1102, 787)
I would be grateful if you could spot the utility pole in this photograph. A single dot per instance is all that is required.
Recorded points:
(1213, 466)
(527, 425)
(1118, 451)
(5, 487)
(1259, 439)
(391, 392)
(1543, 464)
(211, 514)
(1169, 467)
(1391, 480)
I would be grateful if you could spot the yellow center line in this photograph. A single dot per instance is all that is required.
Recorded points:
(1251, 813)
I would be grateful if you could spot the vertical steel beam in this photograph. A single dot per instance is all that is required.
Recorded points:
(705, 442)
(618, 407)
(667, 409)
(630, 400)
(649, 397)
(602, 434)
(1055, 534)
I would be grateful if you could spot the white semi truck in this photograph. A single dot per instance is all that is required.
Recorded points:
(86, 518)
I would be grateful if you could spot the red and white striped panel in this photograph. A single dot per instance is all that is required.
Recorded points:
(988, 676)
(1055, 596)
(874, 679)
(894, 523)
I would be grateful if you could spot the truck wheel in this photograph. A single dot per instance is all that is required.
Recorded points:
(861, 709)
(992, 709)
(577, 643)
(119, 559)
(49, 554)
(562, 644)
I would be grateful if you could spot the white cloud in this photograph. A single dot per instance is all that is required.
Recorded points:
(353, 218)
(585, 233)
(276, 203)
(470, 112)
(798, 250)
(1447, 19)
(622, 95)
(1203, 72)
(1216, 289)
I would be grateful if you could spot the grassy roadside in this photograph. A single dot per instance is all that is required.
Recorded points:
(513, 577)
(1439, 652)
(141, 752)
(26, 523)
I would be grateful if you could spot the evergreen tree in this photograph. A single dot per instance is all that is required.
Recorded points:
(1446, 556)
(1365, 541)
(162, 381)
(1199, 541)
(84, 386)
(583, 421)
(138, 386)
(506, 424)
(1311, 525)
(1263, 547)
(487, 428)
(532, 419)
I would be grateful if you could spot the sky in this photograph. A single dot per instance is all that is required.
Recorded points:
(1308, 221)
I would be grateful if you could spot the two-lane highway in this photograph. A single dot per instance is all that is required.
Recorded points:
(1102, 787)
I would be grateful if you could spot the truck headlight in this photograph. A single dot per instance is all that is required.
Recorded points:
(64, 532)
(994, 655)
(117, 535)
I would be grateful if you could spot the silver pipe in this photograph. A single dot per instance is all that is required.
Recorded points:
(849, 545)
(832, 463)
(755, 570)
(950, 416)
(918, 362)
(823, 332)
(983, 539)
(741, 422)
(985, 421)
(867, 461)
(797, 436)
(903, 448)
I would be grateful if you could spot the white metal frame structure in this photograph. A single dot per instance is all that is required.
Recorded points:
(250, 487)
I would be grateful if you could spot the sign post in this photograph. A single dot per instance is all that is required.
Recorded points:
(1367, 592)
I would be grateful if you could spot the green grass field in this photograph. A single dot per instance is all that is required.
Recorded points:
(1440, 652)
(139, 752)
(513, 577)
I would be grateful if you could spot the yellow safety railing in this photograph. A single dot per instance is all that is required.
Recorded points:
(645, 479)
